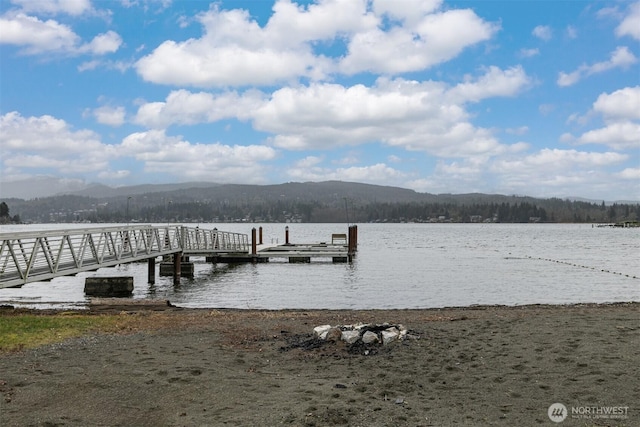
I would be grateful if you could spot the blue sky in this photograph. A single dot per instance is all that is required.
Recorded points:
(538, 98)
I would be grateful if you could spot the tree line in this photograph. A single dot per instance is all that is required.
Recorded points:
(71, 208)
(5, 216)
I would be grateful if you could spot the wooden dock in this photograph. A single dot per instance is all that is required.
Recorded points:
(43, 255)
(342, 248)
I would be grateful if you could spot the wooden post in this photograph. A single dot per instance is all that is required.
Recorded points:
(260, 235)
(352, 245)
(253, 240)
(286, 235)
(177, 264)
(152, 270)
(355, 237)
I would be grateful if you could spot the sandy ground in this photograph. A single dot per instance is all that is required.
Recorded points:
(474, 366)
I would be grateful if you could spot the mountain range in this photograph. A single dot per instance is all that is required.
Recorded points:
(42, 187)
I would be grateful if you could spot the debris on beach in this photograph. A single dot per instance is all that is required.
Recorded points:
(365, 339)
(366, 333)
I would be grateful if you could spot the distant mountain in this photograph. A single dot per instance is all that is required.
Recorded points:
(47, 186)
(327, 201)
(41, 186)
(332, 192)
(100, 191)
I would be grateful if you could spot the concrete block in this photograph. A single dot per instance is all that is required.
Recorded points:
(109, 286)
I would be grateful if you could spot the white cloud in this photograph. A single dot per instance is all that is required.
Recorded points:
(622, 57)
(44, 133)
(52, 7)
(50, 143)
(620, 111)
(186, 108)
(407, 11)
(529, 53)
(572, 32)
(568, 79)
(236, 51)
(102, 44)
(114, 175)
(89, 65)
(112, 116)
(185, 160)
(621, 104)
(308, 162)
(157, 5)
(630, 25)
(543, 32)
(423, 116)
(517, 131)
(375, 174)
(41, 37)
(436, 38)
(37, 36)
(495, 82)
(609, 12)
(632, 174)
(555, 172)
(619, 136)
(293, 24)
(394, 159)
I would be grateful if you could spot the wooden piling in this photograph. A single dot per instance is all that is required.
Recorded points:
(254, 249)
(177, 264)
(151, 270)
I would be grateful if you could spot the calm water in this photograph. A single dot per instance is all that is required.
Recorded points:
(397, 266)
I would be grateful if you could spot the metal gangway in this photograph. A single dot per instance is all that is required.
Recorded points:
(42, 255)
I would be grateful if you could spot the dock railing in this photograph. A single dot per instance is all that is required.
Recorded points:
(42, 255)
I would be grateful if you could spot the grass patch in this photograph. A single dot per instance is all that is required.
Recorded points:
(24, 331)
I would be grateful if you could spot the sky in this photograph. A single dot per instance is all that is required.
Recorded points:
(536, 98)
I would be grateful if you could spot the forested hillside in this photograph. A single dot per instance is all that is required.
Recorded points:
(331, 201)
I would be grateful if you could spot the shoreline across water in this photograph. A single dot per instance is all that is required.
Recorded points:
(481, 365)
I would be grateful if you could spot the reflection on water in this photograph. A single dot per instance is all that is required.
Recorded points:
(397, 266)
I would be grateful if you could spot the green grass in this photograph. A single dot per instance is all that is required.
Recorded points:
(27, 330)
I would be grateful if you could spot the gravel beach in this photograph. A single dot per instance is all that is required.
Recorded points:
(488, 365)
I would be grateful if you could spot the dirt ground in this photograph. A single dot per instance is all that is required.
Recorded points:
(470, 366)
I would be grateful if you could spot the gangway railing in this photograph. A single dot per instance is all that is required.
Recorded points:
(42, 255)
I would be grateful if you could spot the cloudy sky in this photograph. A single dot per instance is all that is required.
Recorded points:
(538, 98)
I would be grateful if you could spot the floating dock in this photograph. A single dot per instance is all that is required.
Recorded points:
(342, 248)
(43, 255)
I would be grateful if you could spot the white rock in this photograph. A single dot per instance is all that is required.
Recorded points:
(350, 336)
(334, 334)
(403, 332)
(370, 337)
(321, 331)
(389, 335)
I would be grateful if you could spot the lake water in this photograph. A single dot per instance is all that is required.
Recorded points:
(397, 266)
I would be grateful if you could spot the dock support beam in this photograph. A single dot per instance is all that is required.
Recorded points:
(260, 235)
(152, 270)
(352, 244)
(177, 264)
(254, 249)
(286, 235)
